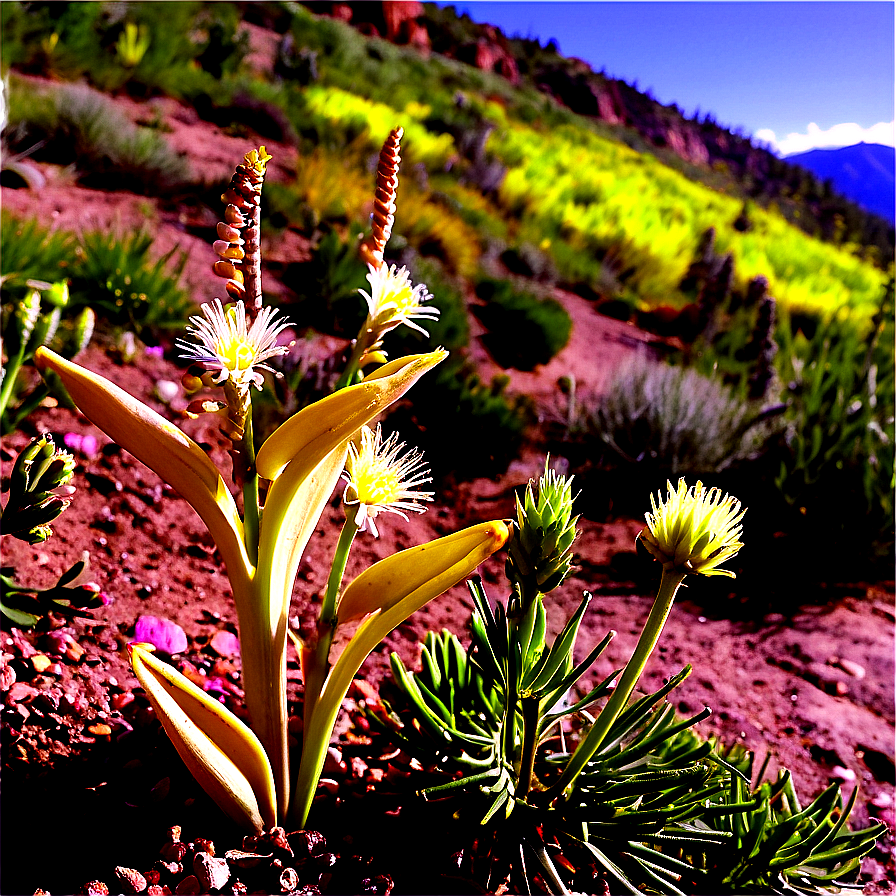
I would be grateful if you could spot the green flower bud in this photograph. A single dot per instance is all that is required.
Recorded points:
(540, 556)
(694, 531)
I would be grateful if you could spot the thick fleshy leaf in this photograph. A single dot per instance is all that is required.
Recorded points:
(163, 448)
(418, 574)
(447, 561)
(222, 753)
(316, 430)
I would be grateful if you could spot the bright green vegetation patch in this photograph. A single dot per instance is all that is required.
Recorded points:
(122, 279)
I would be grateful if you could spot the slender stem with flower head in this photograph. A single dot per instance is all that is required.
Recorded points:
(393, 300)
(693, 531)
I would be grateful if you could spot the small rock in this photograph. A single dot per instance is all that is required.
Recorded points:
(103, 730)
(244, 860)
(211, 873)
(21, 644)
(289, 880)
(95, 888)
(21, 691)
(333, 764)
(307, 843)
(7, 676)
(156, 890)
(883, 800)
(120, 701)
(189, 886)
(164, 634)
(132, 881)
(225, 643)
(839, 773)
(174, 852)
(849, 667)
(41, 662)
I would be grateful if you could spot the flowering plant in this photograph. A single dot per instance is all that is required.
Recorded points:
(637, 794)
(247, 769)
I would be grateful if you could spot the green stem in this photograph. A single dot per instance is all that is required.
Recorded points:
(592, 742)
(362, 344)
(318, 663)
(9, 379)
(531, 706)
(251, 511)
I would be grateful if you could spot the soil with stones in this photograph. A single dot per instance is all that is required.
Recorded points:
(96, 800)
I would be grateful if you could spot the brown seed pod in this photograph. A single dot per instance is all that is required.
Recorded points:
(384, 200)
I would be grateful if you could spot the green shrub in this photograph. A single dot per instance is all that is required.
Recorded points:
(674, 421)
(838, 447)
(119, 279)
(524, 331)
(466, 427)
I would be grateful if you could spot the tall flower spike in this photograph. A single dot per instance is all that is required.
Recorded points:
(384, 200)
(238, 244)
(380, 479)
(694, 530)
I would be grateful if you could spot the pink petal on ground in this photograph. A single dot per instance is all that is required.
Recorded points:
(225, 643)
(166, 635)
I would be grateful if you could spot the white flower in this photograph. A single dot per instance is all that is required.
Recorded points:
(229, 346)
(394, 300)
(379, 478)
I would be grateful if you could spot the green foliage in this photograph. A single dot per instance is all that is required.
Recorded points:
(776, 846)
(657, 806)
(24, 606)
(118, 277)
(126, 44)
(74, 124)
(839, 442)
(326, 287)
(466, 427)
(524, 331)
(34, 313)
(115, 277)
(673, 420)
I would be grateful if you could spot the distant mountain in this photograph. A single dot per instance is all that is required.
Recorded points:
(863, 173)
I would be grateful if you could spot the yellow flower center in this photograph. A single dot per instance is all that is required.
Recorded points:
(236, 353)
(403, 298)
(376, 482)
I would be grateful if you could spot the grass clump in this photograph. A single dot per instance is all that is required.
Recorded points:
(73, 124)
(676, 421)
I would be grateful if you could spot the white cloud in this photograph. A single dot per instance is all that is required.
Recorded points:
(839, 135)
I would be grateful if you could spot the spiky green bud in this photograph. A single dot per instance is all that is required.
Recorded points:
(39, 470)
(540, 555)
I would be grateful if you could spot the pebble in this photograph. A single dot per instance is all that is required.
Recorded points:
(41, 662)
(850, 667)
(95, 888)
(211, 873)
(102, 730)
(166, 635)
(883, 800)
(132, 881)
(225, 643)
(840, 773)
(189, 886)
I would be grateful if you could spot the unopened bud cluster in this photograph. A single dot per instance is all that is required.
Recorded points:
(540, 553)
(238, 234)
(38, 490)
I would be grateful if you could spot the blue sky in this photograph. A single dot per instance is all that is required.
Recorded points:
(795, 75)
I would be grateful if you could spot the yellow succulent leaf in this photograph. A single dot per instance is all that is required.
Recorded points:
(222, 753)
(389, 591)
(293, 507)
(413, 577)
(316, 430)
(166, 450)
